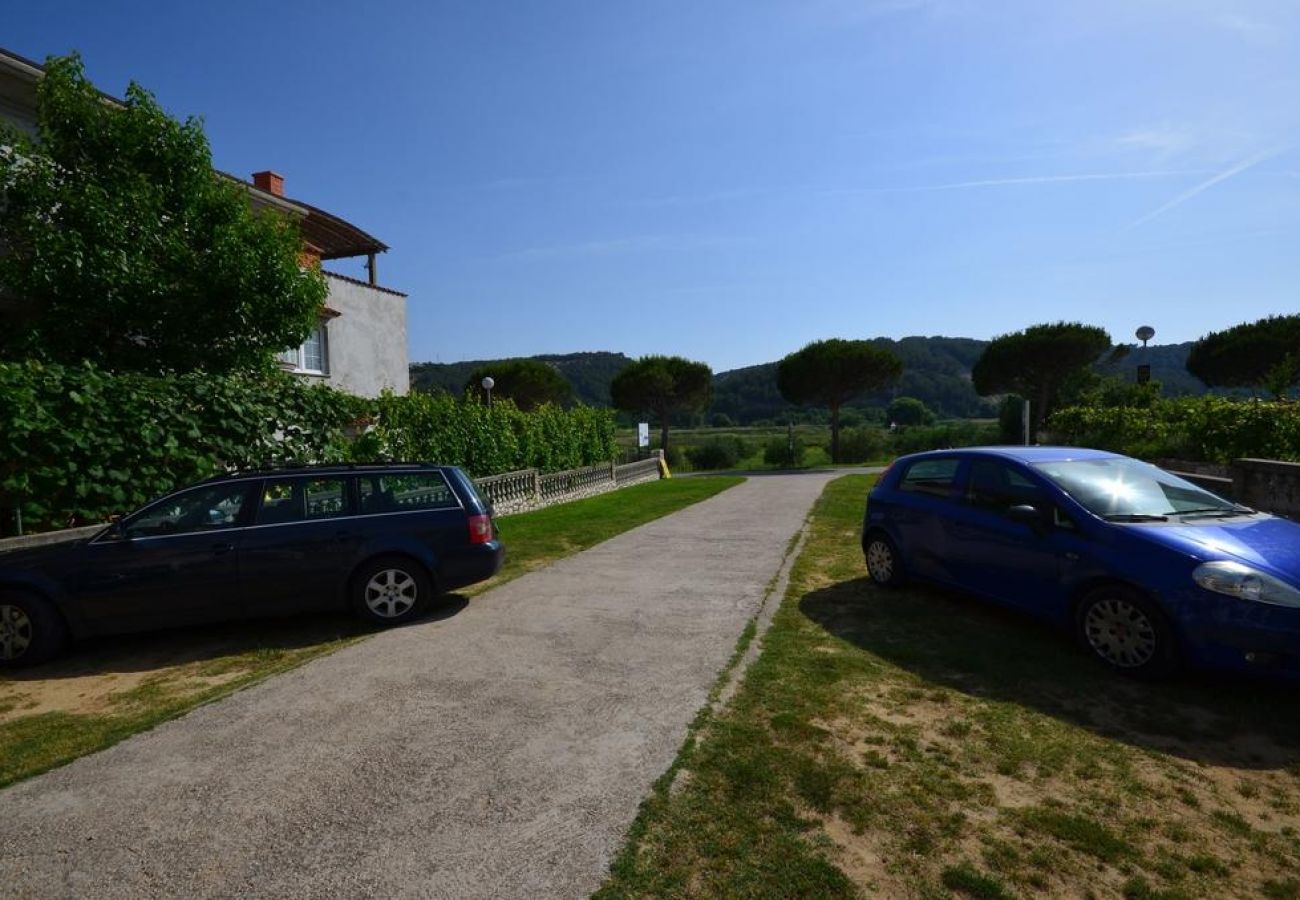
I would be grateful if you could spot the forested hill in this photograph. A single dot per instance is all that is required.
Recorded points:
(936, 370)
(589, 373)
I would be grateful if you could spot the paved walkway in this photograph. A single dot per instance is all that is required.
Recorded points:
(501, 752)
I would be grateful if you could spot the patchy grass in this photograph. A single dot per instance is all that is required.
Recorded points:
(107, 690)
(917, 742)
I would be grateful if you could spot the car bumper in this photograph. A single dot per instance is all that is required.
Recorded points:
(471, 566)
(1227, 633)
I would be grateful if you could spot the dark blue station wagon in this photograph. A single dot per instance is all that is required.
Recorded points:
(1148, 569)
(381, 539)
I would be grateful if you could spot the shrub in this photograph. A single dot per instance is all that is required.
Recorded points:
(78, 444)
(939, 437)
(1208, 429)
(859, 445)
(783, 453)
(718, 453)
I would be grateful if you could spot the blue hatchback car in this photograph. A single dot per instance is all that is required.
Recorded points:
(1146, 568)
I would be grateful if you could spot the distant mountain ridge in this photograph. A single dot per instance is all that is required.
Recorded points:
(936, 371)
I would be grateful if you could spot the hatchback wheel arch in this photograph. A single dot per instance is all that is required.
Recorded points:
(1121, 626)
(884, 565)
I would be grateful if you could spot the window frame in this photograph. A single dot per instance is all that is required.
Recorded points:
(348, 511)
(297, 356)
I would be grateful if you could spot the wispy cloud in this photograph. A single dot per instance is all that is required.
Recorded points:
(1025, 180)
(1165, 140)
(1200, 188)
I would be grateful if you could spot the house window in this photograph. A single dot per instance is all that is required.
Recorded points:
(312, 356)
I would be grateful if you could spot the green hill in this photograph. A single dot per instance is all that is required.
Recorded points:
(589, 373)
(936, 370)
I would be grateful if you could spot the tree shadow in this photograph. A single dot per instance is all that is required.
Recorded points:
(156, 650)
(951, 639)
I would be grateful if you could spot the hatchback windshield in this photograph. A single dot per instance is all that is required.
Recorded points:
(1126, 488)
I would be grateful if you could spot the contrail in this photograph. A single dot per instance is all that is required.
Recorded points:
(1039, 179)
(1207, 184)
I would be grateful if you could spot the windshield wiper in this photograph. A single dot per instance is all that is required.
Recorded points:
(1216, 511)
(1135, 517)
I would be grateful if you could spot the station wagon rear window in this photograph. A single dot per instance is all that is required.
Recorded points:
(930, 476)
(406, 493)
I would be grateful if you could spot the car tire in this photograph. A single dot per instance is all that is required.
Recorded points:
(883, 563)
(1127, 632)
(391, 590)
(31, 631)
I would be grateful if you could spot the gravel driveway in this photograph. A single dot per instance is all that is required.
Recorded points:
(501, 752)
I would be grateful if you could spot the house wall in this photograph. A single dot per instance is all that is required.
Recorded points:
(367, 342)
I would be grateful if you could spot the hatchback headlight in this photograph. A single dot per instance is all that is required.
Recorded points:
(1237, 580)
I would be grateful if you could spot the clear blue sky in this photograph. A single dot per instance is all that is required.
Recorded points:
(730, 179)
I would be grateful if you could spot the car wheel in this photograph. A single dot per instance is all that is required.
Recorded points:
(391, 590)
(883, 564)
(1127, 632)
(30, 630)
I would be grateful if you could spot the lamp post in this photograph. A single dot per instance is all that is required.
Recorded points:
(488, 383)
(1144, 334)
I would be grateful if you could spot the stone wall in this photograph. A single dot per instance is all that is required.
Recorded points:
(1268, 485)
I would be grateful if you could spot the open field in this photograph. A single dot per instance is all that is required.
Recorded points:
(919, 743)
(106, 690)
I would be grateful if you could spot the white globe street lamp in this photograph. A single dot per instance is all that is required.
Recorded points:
(488, 384)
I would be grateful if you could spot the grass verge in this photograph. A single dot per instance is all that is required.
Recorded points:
(108, 690)
(919, 743)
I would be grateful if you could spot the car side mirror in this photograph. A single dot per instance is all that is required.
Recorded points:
(1028, 515)
(117, 530)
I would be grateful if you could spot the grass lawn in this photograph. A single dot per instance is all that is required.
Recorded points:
(919, 743)
(107, 690)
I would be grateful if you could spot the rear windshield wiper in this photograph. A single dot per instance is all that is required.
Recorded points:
(1135, 517)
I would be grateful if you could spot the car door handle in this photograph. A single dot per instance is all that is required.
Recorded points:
(1070, 555)
(221, 548)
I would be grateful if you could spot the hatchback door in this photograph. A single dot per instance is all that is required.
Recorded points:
(994, 554)
(174, 563)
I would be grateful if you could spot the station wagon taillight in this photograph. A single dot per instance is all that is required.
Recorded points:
(480, 529)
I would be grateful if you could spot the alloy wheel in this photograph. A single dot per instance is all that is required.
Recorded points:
(1120, 633)
(880, 561)
(391, 593)
(15, 631)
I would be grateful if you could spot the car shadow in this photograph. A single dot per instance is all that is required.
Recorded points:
(154, 650)
(985, 651)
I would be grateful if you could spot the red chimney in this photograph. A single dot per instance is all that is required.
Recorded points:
(271, 182)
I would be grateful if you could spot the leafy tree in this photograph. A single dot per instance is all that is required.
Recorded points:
(830, 373)
(663, 385)
(906, 411)
(1263, 354)
(1036, 362)
(125, 248)
(528, 382)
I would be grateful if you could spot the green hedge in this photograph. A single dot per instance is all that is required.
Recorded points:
(485, 442)
(78, 444)
(1209, 429)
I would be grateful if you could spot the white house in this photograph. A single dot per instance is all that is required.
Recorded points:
(360, 344)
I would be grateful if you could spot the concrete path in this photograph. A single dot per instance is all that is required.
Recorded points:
(502, 752)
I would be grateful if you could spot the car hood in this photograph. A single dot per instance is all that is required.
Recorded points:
(1265, 542)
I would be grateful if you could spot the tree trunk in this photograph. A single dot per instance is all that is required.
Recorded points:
(835, 433)
(1040, 415)
(663, 431)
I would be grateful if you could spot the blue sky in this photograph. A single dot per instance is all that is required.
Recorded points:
(730, 179)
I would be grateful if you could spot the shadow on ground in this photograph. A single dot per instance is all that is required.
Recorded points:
(984, 651)
(178, 646)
